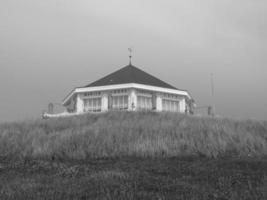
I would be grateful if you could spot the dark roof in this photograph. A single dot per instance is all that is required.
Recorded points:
(130, 74)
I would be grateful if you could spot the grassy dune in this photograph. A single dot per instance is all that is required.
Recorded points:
(131, 178)
(120, 134)
(134, 156)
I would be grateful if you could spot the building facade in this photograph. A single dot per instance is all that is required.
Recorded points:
(128, 89)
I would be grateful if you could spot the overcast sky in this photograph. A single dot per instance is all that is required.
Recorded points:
(49, 47)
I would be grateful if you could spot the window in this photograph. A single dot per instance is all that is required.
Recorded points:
(144, 103)
(119, 99)
(119, 92)
(170, 96)
(92, 94)
(144, 100)
(170, 105)
(120, 102)
(92, 104)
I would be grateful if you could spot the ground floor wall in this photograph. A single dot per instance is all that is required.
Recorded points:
(130, 99)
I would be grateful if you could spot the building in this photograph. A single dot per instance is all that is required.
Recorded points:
(129, 89)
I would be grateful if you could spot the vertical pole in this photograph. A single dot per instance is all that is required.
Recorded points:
(130, 55)
(212, 93)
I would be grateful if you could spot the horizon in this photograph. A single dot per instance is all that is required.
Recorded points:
(48, 48)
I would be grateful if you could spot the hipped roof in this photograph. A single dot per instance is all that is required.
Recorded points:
(130, 74)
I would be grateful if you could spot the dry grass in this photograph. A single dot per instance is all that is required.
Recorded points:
(135, 178)
(118, 134)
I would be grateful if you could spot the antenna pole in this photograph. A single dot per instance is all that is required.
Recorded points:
(212, 93)
(130, 55)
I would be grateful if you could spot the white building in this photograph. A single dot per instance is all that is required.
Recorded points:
(130, 89)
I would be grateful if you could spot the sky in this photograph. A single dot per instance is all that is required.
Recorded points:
(49, 47)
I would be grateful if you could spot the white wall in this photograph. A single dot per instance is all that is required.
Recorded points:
(79, 103)
(158, 102)
(182, 105)
(104, 102)
(132, 99)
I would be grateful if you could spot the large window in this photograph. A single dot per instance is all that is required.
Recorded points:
(92, 104)
(170, 102)
(144, 103)
(170, 105)
(120, 99)
(144, 100)
(120, 102)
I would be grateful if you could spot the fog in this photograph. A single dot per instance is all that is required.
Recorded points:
(49, 47)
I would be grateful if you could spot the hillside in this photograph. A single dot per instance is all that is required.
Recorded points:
(125, 155)
(133, 134)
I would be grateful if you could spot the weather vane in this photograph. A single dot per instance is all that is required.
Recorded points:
(130, 54)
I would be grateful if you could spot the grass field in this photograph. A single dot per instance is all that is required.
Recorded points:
(135, 178)
(124, 155)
